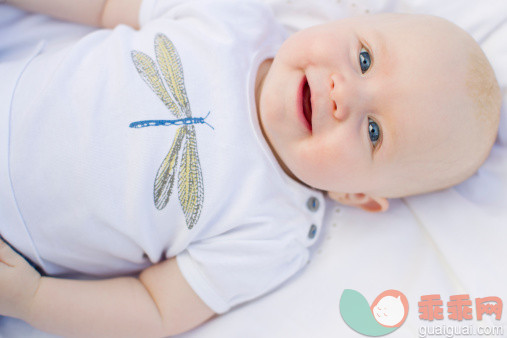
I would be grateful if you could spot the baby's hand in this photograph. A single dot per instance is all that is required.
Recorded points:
(18, 283)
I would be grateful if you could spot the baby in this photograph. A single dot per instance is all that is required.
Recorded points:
(416, 110)
(365, 109)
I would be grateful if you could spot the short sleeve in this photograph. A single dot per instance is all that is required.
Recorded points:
(153, 9)
(175, 9)
(241, 264)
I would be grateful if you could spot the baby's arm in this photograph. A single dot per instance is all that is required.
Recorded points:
(100, 13)
(158, 303)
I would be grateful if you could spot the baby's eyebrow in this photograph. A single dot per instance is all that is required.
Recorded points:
(391, 136)
(378, 44)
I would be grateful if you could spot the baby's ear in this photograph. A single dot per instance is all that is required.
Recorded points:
(363, 201)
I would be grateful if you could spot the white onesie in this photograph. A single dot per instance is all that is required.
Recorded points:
(126, 147)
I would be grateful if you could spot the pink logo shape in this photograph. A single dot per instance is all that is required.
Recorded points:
(390, 308)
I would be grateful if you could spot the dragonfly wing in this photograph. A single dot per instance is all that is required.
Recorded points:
(148, 71)
(190, 183)
(172, 71)
(164, 180)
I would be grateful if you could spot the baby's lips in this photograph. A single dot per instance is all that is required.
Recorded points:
(307, 103)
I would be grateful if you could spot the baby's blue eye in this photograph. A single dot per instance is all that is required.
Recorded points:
(373, 131)
(364, 60)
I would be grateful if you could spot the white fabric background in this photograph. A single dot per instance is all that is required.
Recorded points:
(450, 242)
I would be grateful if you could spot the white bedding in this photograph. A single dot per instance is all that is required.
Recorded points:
(449, 243)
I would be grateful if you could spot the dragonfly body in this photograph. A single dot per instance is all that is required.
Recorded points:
(177, 122)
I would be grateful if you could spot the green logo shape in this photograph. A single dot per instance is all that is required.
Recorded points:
(358, 315)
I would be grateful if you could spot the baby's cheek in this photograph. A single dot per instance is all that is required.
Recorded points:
(309, 160)
(321, 172)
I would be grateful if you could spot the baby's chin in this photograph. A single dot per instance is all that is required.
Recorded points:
(297, 175)
(312, 182)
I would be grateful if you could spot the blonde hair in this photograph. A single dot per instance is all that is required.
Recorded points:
(480, 106)
(484, 100)
(484, 92)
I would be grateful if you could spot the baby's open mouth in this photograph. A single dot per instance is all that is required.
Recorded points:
(307, 103)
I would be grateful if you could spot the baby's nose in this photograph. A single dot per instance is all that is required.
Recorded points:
(340, 97)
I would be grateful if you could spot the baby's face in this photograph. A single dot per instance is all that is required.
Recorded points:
(358, 105)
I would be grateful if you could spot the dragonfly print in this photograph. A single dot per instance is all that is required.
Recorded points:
(169, 74)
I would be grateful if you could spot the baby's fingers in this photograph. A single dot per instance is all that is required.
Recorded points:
(18, 282)
(8, 256)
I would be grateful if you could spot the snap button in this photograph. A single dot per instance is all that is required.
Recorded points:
(312, 232)
(312, 204)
